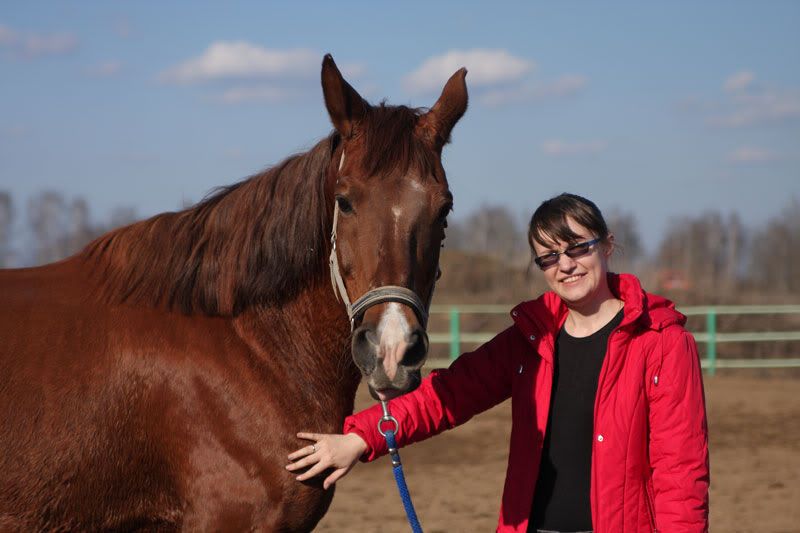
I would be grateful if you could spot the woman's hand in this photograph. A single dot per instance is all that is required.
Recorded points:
(339, 452)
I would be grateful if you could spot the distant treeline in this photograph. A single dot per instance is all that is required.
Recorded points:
(708, 254)
(50, 227)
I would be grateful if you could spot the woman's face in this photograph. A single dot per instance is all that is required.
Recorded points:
(581, 280)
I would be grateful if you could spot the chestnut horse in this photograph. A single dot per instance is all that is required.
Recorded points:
(157, 379)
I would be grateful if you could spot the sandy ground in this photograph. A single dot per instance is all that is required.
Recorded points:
(456, 478)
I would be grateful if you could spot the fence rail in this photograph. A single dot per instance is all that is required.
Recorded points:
(711, 337)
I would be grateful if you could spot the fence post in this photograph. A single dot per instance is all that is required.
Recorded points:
(711, 328)
(455, 333)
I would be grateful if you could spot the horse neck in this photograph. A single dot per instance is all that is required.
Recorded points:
(308, 342)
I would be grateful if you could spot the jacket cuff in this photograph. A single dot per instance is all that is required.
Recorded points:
(364, 424)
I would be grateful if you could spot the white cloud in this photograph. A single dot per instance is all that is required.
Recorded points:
(567, 85)
(262, 93)
(251, 73)
(105, 69)
(28, 45)
(739, 81)
(36, 45)
(486, 67)
(239, 59)
(353, 70)
(751, 154)
(563, 86)
(559, 148)
(762, 106)
(749, 103)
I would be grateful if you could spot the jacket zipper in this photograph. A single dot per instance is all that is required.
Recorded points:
(649, 499)
(600, 379)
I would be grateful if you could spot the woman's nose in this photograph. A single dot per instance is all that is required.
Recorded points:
(566, 263)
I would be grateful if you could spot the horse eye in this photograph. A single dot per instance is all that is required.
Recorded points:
(344, 205)
(443, 215)
(438, 273)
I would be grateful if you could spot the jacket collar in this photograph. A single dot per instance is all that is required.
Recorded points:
(543, 317)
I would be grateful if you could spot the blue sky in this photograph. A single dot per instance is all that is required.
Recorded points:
(660, 109)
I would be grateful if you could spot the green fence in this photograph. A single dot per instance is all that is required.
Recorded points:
(711, 337)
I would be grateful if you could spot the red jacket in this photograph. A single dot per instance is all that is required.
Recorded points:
(650, 451)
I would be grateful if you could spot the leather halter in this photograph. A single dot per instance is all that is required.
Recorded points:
(386, 293)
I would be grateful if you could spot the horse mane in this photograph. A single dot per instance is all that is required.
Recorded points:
(260, 241)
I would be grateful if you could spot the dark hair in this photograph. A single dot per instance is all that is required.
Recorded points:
(549, 221)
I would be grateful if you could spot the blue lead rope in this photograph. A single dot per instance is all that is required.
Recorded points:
(397, 467)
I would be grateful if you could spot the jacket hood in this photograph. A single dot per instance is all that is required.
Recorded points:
(547, 313)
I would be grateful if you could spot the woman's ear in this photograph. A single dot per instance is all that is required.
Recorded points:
(609, 245)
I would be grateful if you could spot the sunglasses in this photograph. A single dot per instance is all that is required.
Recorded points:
(574, 251)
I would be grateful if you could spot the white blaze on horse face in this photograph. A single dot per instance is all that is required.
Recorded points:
(397, 211)
(397, 227)
(393, 332)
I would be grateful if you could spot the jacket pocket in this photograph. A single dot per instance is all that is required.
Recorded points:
(649, 500)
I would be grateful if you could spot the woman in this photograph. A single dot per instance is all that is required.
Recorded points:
(609, 428)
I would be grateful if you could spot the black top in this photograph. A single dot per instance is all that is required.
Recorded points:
(561, 500)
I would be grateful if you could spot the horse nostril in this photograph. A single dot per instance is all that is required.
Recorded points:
(364, 349)
(417, 349)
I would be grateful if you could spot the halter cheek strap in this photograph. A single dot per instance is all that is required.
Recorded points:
(386, 293)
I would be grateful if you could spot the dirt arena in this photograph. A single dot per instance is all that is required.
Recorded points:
(456, 478)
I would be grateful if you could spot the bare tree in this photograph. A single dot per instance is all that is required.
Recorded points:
(705, 252)
(6, 223)
(62, 228)
(80, 231)
(775, 259)
(121, 216)
(626, 236)
(48, 219)
(491, 230)
(737, 247)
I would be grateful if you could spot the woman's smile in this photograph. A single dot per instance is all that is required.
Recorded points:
(572, 279)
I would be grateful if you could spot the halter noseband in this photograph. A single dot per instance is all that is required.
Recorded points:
(386, 293)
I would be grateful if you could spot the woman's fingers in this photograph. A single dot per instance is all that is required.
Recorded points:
(313, 471)
(339, 452)
(302, 463)
(334, 477)
(302, 452)
(305, 456)
(307, 450)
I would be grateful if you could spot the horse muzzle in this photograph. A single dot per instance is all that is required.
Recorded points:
(390, 351)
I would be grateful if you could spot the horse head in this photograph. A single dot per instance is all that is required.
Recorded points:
(390, 199)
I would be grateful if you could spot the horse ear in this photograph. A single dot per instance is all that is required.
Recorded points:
(345, 106)
(437, 123)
